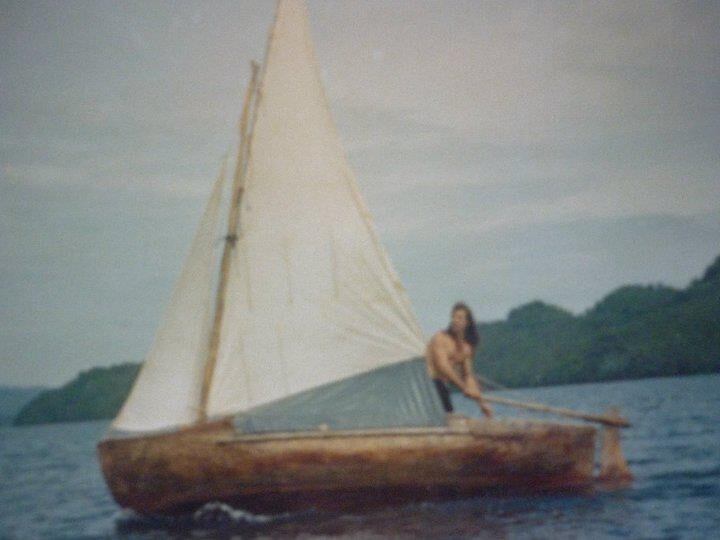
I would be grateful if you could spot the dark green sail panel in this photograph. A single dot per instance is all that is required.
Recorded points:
(398, 395)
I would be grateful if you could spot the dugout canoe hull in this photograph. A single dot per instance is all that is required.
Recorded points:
(280, 472)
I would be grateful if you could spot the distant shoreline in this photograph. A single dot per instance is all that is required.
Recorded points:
(635, 332)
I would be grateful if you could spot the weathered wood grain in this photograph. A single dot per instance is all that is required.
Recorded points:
(181, 471)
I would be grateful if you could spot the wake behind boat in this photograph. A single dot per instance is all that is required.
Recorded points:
(285, 373)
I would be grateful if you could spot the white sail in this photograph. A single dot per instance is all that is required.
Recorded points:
(312, 296)
(167, 390)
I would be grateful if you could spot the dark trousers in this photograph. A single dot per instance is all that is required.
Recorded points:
(444, 395)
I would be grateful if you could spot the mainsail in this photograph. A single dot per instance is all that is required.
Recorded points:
(311, 296)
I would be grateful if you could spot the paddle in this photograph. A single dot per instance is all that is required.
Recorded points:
(615, 421)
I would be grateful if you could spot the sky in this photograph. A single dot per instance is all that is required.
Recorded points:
(508, 151)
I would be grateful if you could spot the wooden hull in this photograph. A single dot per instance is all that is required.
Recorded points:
(273, 473)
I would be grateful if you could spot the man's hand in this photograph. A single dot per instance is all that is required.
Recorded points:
(485, 408)
(471, 388)
(472, 392)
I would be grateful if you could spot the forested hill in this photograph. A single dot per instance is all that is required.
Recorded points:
(13, 398)
(93, 395)
(635, 331)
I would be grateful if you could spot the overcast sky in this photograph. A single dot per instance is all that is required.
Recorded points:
(509, 151)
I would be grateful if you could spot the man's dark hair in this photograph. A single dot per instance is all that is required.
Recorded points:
(472, 336)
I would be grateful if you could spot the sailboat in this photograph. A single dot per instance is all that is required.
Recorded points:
(287, 371)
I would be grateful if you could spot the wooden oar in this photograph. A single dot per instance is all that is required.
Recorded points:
(616, 421)
(490, 383)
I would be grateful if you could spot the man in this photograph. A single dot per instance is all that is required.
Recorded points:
(450, 355)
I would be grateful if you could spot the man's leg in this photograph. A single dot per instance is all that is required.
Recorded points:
(444, 395)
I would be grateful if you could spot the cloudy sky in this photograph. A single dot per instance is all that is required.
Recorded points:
(509, 151)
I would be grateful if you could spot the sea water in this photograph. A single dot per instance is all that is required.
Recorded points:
(51, 486)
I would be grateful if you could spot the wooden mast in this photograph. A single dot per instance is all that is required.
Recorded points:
(230, 240)
(252, 98)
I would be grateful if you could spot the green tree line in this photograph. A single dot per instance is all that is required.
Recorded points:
(635, 331)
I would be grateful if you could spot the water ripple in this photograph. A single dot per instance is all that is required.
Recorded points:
(51, 487)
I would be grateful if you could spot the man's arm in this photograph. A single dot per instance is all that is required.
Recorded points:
(468, 366)
(471, 382)
(474, 386)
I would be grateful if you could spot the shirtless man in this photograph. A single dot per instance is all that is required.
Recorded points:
(450, 355)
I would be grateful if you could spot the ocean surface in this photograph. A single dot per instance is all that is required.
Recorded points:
(51, 487)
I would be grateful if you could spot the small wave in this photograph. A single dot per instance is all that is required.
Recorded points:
(221, 513)
(643, 461)
(211, 516)
(674, 476)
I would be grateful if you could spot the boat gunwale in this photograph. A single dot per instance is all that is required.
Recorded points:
(466, 426)
(469, 426)
(344, 433)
